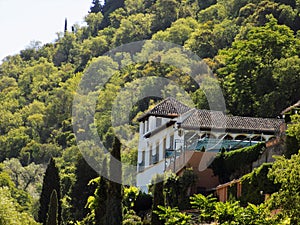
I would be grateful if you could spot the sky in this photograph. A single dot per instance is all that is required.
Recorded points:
(23, 21)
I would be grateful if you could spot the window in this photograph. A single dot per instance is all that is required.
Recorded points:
(158, 121)
(147, 125)
(155, 160)
(164, 147)
(150, 156)
(171, 141)
(142, 164)
(143, 127)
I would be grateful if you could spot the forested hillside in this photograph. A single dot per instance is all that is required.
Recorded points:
(252, 47)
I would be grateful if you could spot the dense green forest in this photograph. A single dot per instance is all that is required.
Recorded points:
(251, 46)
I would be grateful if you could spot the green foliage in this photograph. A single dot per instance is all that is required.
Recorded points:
(143, 203)
(158, 199)
(231, 212)
(26, 178)
(234, 164)
(134, 28)
(131, 218)
(293, 135)
(205, 205)
(10, 212)
(22, 198)
(130, 195)
(172, 216)
(223, 213)
(81, 190)
(176, 189)
(215, 13)
(96, 7)
(165, 12)
(94, 21)
(97, 203)
(179, 32)
(256, 184)
(249, 66)
(226, 212)
(286, 173)
(114, 197)
(294, 128)
(255, 58)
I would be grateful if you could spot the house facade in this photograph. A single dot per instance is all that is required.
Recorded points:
(171, 134)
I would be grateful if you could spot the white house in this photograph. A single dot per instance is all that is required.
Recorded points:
(171, 130)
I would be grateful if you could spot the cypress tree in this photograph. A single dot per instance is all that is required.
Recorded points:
(114, 201)
(101, 194)
(52, 212)
(81, 190)
(51, 182)
(158, 199)
(66, 25)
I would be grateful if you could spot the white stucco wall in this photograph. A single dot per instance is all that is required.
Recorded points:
(148, 170)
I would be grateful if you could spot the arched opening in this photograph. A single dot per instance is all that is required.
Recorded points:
(258, 138)
(208, 135)
(241, 137)
(227, 137)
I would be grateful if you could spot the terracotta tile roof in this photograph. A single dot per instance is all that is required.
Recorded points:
(208, 119)
(217, 120)
(253, 123)
(205, 119)
(169, 107)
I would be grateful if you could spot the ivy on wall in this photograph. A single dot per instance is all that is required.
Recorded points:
(234, 164)
(256, 184)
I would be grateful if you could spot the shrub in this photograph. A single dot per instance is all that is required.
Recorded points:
(206, 206)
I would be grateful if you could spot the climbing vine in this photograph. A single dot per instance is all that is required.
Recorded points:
(234, 164)
(256, 184)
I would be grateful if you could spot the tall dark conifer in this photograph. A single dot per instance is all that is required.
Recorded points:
(114, 201)
(52, 212)
(81, 190)
(66, 25)
(158, 199)
(101, 195)
(51, 182)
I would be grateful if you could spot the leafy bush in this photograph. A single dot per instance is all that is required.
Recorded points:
(205, 205)
(172, 216)
(231, 212)
(176, 189)
(132, 219)
(226, 212)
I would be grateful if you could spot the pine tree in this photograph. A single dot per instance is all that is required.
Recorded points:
(51, 182)
(81, 190)
(52, 212)
(96, 7)
(114, 201)
(158, 199)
